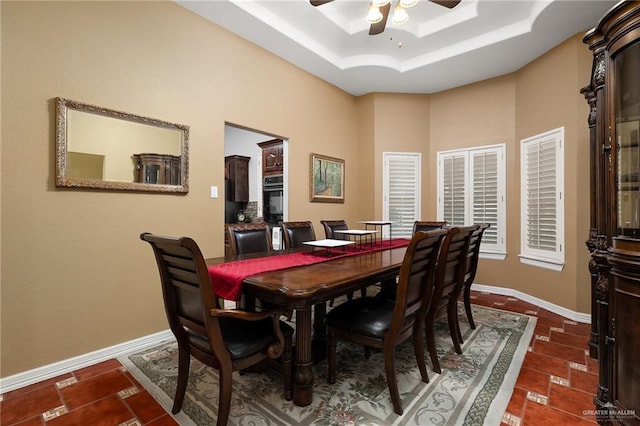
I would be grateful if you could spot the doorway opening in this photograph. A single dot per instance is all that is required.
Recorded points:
(256, 176)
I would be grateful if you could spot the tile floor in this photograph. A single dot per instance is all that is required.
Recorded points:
(556, 384)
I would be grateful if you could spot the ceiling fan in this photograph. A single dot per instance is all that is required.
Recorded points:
(380, 24)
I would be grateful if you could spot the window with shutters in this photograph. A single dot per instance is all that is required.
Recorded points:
(471, 189)
(542, 210)
(401, 191)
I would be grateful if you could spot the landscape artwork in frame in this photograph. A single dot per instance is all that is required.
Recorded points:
(326, 179)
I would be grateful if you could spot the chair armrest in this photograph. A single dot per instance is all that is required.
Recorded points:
(276, 348)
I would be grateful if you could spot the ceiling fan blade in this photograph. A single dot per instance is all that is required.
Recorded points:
(446, 3)
(378, 27)
(319, 2)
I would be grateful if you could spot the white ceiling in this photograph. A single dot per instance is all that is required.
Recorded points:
(437, 49)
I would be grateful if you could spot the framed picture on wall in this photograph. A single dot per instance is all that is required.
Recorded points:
(326, 179)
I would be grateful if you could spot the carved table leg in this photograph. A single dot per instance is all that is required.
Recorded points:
(303, 376)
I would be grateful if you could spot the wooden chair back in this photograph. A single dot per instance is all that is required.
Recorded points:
(187, 292)
(225, 339)
(249, 238)
(428, 225)
(334, 225)
(296, 233)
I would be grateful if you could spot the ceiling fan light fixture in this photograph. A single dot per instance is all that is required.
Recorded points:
(379, 3)
(374, 16)
(408, 3)
(400, 15)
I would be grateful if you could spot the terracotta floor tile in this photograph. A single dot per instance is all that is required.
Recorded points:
(29, 405)
(30, 388)
(534, 381)
(560, 351)
(570, 400)
(97, 369)
(552, 320)
(34, 421)
(546, 364)
(580, 342)
(144, 406)
(521, 305)
(580, 329)
(542, 329)
(537, 414)
(95, 388)
(109, 411)
(593, 366)
(585, 381)
(517, 402)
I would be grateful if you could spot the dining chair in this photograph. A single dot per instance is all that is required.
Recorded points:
(245, 238)
(428, 225)
(334, 225)
(473, 254)
(296, 233)
(384, 324)
(225, 339)
(450, 273)
(248, 237)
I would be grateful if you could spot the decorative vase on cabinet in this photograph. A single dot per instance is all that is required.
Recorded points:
(614, 237)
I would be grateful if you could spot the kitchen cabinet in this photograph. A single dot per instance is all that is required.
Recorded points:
(272, 157)
(614, 236)
(236, 168)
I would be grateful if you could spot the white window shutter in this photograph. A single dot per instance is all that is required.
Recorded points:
(471, 189)
(487, 176)
(542, 201)
(401, 188)
(454, 189)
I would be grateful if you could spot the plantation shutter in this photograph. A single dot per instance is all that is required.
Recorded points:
(471, 190)
(542, 183)
(484, 166)
(541, 195)
(401, 191)
(453, 189)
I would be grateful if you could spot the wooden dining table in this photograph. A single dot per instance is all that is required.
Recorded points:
(303, 287)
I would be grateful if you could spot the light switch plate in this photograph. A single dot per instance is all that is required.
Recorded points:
(214, 192)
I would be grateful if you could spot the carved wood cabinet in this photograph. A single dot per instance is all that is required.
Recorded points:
(614, 238)
(160, 169)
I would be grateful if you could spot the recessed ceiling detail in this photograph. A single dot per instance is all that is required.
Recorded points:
(436, 49)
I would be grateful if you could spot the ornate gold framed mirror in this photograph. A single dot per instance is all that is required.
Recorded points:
(101, 148)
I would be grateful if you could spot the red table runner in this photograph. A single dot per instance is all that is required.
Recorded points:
(227, 277)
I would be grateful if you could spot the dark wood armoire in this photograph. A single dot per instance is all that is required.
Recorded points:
(614, 238)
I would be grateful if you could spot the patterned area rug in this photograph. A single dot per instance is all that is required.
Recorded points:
(473, 389)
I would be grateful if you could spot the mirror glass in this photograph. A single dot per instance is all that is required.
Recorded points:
(103, 148)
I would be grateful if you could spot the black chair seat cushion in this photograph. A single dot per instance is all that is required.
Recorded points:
(368, 316)
(243, 338)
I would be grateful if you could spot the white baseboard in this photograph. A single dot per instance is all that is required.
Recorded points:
(556, 309)
(39, 374)
(52, 370)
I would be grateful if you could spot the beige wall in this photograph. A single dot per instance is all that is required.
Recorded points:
(75, 276)
(542, 96)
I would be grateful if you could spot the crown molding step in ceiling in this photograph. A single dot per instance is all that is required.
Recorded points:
(442, 44)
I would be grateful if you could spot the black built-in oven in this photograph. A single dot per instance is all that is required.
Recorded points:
(273, 199)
